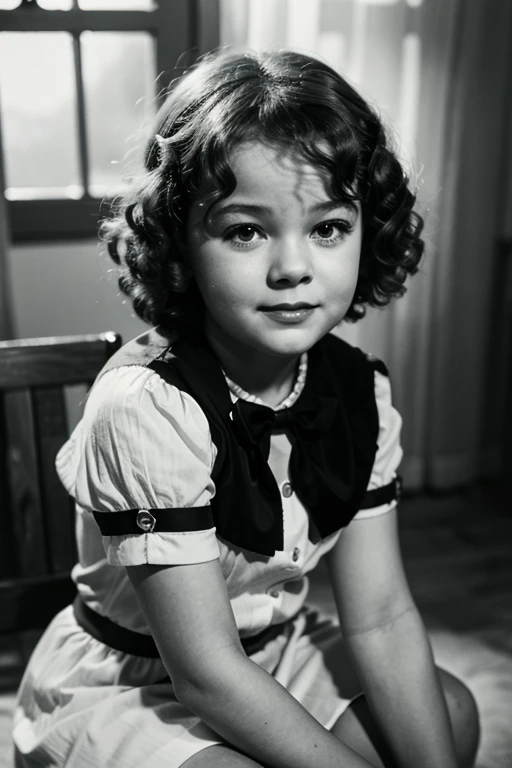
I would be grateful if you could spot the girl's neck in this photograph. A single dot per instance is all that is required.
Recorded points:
(268, 377)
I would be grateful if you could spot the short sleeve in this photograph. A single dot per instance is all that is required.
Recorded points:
(389, 451)
(143, 444)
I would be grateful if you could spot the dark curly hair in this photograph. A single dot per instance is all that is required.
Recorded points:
(284, 99)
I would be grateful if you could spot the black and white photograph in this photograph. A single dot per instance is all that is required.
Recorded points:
(255, 384)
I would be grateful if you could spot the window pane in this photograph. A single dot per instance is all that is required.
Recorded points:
(37, 94)
(117, 5)
(56, 5)
(119, 74)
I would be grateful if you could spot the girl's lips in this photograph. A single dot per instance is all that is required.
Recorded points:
(289, 316)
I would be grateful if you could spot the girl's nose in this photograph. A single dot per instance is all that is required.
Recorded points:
(291, 265)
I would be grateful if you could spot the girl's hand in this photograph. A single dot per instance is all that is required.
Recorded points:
(189, 614)
(388, 643)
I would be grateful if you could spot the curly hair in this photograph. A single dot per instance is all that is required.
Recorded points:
(284, 99)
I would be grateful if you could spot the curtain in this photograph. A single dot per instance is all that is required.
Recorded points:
(6, 329)
(437, 72)
(466, 364)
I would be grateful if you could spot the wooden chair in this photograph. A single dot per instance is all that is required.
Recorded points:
(37, 544)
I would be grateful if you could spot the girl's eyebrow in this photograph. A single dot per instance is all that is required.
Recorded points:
(330, 205)
(253, 209)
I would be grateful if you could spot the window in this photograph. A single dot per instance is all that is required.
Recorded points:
(79, 80)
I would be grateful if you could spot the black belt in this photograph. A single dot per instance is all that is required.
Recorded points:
(136, 644)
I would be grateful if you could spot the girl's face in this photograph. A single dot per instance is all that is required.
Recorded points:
(277, 261)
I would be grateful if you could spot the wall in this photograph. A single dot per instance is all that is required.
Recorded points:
(67, 288)
(468, 366)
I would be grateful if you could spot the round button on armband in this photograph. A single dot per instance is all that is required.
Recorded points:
(274, 593)
(145, 521)
(287, 490)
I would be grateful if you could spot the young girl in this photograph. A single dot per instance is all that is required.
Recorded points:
(222, 454)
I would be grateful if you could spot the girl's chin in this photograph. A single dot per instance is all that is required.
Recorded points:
(286, 347)
(276, 340)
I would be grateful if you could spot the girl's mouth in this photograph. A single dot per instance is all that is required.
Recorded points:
(289, 313)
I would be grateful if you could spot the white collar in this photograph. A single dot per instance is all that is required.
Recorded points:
(288, 401)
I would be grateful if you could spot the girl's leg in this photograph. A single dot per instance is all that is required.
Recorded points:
(356, 728)
(219, 756)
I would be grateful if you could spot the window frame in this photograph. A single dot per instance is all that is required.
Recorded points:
(182, 30)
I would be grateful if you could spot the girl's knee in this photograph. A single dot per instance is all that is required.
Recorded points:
(220, 756)
(461, 703)
(464, 717)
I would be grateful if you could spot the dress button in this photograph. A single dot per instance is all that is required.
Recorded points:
(274, 593)
(145, 521)
(295, 554)
(287, 490)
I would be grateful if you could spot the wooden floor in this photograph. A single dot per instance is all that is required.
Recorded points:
(458, 554)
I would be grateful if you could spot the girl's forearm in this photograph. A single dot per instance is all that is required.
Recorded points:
(398, 674)
(257, 715)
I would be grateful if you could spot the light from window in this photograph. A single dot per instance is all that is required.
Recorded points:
(378, 2)
(302, 27)
(409, 95)
(37, 92)
(55, 5)
(332, 47)
(119, 74)
(117, 5)
(86, 5)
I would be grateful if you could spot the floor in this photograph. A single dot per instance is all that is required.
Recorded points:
(458, 554)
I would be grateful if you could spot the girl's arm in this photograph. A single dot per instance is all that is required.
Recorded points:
(190, 617)
(389, 645)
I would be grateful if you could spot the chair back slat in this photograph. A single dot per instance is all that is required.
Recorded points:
(26, 504)
(54, 361)
(37, 542)
(51, 432)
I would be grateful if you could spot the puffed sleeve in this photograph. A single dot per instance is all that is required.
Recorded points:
(389, 451)
(143, 444)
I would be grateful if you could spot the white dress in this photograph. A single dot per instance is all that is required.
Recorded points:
(143, 443)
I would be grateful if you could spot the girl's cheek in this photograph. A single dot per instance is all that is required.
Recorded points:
(345, 276)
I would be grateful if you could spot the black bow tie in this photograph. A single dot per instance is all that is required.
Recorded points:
(307, 419)
(315, 448)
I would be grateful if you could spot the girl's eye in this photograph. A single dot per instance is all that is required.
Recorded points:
(332, 231)
(243, 235)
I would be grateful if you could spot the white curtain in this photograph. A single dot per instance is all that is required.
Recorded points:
(436, 69)
(6, 330)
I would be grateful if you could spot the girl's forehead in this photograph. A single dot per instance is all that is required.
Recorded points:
(249, 155)
(266, 169)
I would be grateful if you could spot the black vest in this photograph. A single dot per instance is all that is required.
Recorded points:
(246, 508)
